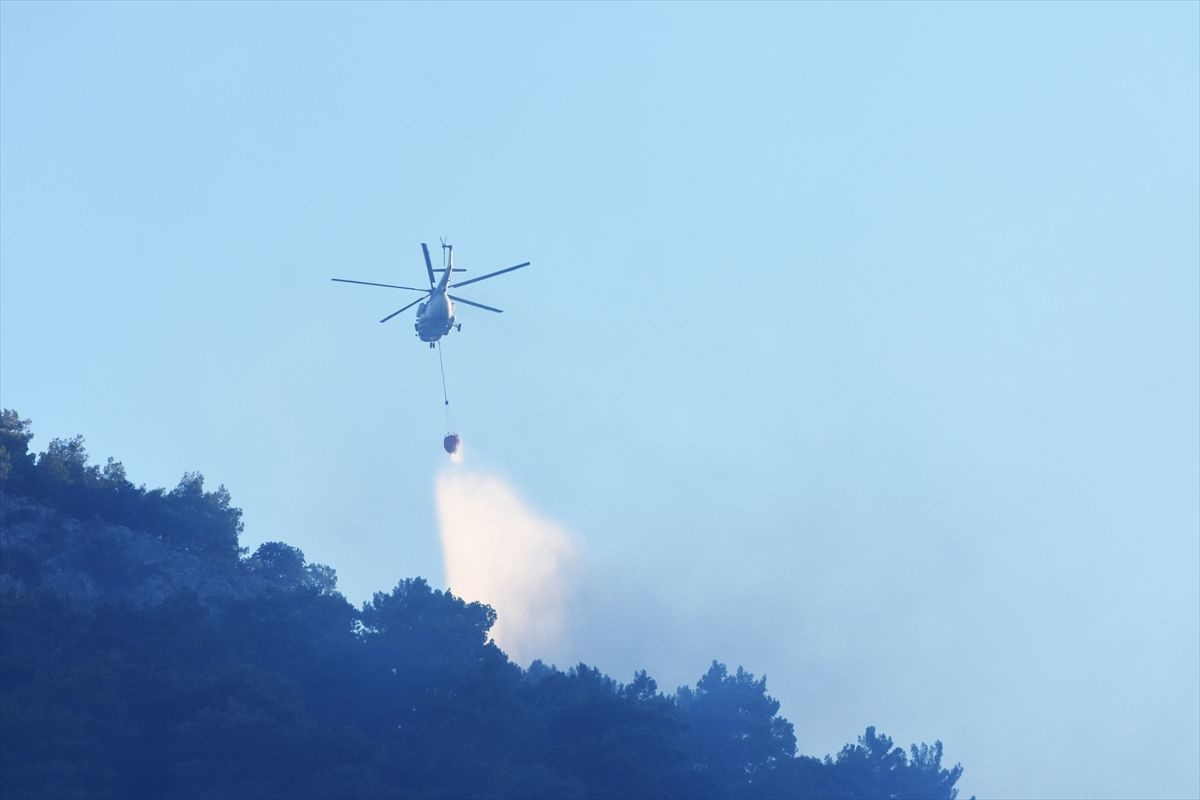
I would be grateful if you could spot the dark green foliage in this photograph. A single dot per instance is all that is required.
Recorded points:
(187, 519)
(874, 769)
(142, 655)
(283, 566)
(615, 740)
(734, 732)
(14, 445)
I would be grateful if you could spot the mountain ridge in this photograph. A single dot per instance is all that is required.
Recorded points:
(146, 654)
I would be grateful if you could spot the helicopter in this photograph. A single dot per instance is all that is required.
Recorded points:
(435, 311)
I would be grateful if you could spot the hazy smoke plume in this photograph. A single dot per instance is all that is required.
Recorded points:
(499, 551)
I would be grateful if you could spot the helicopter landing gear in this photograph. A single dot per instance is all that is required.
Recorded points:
(458, 327)
(432, 345)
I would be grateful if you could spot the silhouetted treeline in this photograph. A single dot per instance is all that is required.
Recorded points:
(143, 653)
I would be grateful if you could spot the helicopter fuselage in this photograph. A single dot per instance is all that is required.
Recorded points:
(435, 317)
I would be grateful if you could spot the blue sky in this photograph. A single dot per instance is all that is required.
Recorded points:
(861, 344)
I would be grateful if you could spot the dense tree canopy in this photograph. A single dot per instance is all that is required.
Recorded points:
(145, 654)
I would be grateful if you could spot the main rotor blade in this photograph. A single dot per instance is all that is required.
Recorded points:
(477, 305)
(386, 285)
(489, 275)
(428, 262)
(406, 308)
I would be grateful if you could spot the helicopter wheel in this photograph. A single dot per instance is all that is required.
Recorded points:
(458, 327)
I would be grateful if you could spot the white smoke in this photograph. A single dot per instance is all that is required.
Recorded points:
(499, 551)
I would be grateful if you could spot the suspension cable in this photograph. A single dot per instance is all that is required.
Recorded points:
(442, 365)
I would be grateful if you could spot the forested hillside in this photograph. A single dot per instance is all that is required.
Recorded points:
(144, 653)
